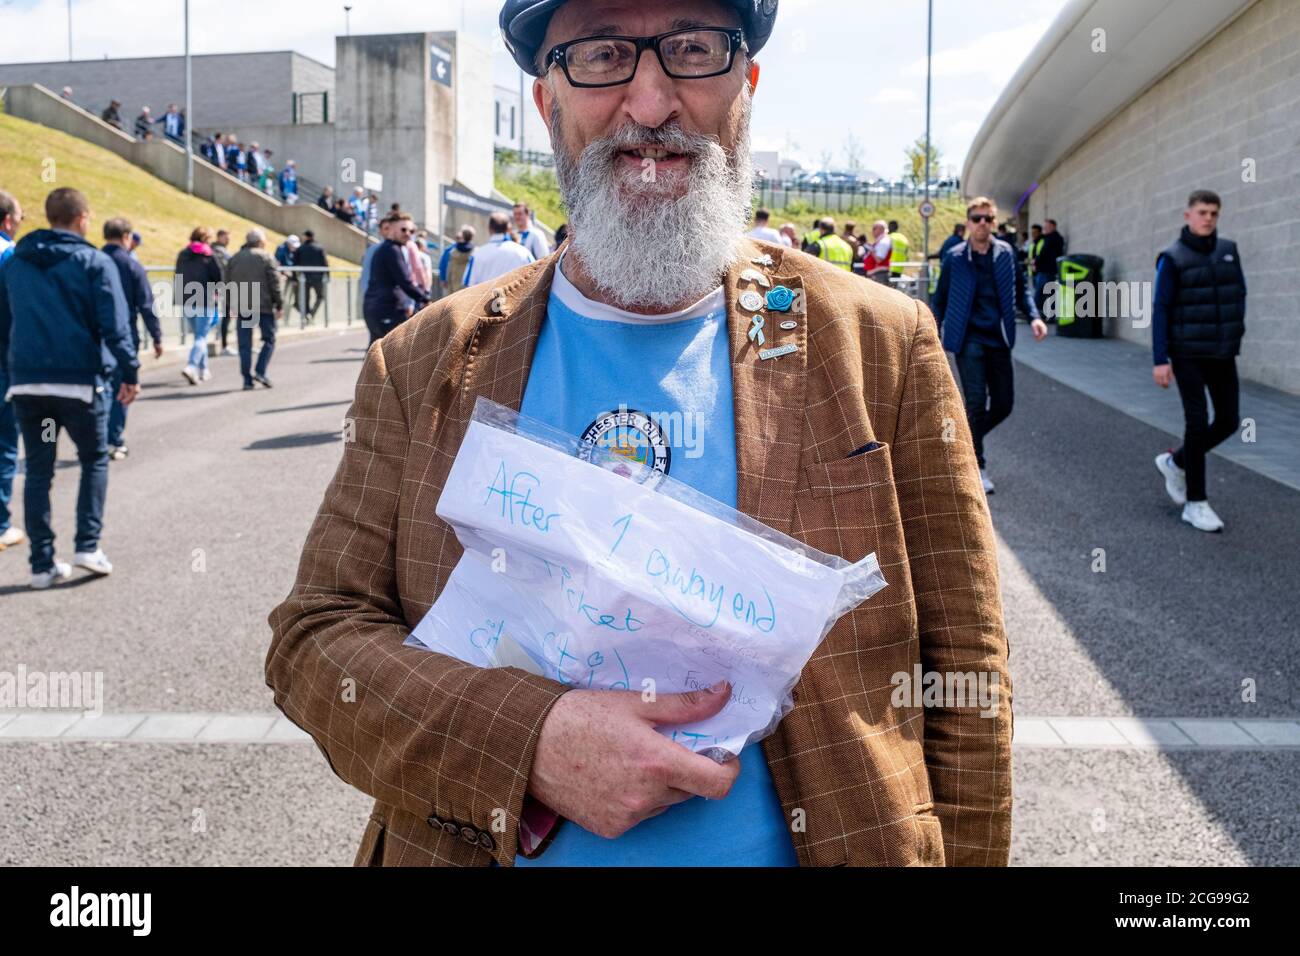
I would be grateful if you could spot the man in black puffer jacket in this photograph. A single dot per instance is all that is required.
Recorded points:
(1198, 319)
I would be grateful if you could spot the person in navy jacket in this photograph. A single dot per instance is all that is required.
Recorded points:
(119, 240)
(63, 336)
(981, 287)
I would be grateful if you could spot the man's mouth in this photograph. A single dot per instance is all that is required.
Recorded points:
(655, 154)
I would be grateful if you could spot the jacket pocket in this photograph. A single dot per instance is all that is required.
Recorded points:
(828, 478)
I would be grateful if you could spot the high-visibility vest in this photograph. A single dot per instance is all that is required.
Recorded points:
(899, 254)
(1035, 248)
(836, 251)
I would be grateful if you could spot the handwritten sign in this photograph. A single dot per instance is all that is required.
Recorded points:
(588, 578)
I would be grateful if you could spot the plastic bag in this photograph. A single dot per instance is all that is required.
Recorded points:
(585, 567)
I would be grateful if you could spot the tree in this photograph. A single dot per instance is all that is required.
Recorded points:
(825, 158)
(914, 167)
(852, 154)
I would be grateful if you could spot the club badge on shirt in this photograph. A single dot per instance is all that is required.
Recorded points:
(627, 442)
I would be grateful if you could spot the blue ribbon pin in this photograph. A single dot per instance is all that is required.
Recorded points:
(756, 332)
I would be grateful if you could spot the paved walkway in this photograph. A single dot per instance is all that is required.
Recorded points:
(1125, 733)
(1118, 374)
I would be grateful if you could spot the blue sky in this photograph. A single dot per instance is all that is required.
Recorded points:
(835, 69)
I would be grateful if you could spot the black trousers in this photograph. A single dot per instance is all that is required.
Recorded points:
(1195, 377)
(988, 386)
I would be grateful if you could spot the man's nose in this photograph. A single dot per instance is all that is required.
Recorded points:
(652, 96)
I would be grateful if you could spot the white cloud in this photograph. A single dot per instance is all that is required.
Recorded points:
(994, 56)
(895, 94)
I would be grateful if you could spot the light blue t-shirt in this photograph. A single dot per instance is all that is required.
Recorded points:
(602, 373)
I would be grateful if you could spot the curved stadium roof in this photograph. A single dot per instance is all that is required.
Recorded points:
(1064, 91)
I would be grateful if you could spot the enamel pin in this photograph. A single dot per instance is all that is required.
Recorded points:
(751, 301)
(763, 261)
(753, 275)
(778, 351)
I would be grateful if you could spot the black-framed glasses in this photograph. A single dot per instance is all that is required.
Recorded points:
(980, 217)
(692, 54)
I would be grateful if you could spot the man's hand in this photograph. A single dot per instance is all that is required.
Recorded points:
(279, 315)
(601, 764)
(1040, 329)
(157, 350)
(127, 394)
(1163, 374)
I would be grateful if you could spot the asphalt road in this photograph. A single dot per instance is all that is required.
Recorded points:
(206, 518)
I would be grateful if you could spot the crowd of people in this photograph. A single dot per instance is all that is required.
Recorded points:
(397, 274)
(53, 368)
(251, 163)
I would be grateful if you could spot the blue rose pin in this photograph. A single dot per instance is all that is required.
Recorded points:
(780, 299)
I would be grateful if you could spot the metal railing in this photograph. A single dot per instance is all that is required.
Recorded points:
(294, 294)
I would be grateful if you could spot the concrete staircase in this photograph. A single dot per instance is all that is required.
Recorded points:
(166, 160)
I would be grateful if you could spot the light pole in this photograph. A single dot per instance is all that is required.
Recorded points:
(69, 31)
(347, 20)
(925, 220)
(189, 108)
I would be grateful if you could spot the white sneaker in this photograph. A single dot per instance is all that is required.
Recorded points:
(205, 375)
(95, 561)
(228, 351)
(56, 575)
(987, 482)
(1175, 478)
(191, 374)
(1201, 516)
(13, 535)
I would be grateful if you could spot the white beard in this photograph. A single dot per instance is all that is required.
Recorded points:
(642, 246)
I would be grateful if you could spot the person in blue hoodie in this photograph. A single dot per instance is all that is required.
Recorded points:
(119, 241)
(63, 334)
(981, 288)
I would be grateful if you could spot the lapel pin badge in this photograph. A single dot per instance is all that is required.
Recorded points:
(789, 325)
(751, 301)
(763, 261)
(778, 351)
(753, 275)
(780, 299)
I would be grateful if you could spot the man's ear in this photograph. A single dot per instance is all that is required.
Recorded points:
(542, 96)
(753, 77)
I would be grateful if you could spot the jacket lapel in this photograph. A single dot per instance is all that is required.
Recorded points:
(499, 353)
(768, 394)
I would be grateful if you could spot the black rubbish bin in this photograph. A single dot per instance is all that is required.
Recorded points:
(1080, 296)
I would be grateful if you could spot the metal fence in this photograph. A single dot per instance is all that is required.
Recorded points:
(338, 301)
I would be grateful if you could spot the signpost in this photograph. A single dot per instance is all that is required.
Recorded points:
(440, 64)
(926, 209)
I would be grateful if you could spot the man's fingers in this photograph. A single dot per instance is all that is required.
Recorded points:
(701, 776)
(669, 709)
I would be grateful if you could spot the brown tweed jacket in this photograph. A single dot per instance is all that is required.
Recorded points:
(446, 748)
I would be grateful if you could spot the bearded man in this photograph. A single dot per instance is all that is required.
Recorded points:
(826, 410)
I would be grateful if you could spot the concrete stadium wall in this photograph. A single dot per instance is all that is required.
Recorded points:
(229, 88)
(1121, 194)
(167, 161)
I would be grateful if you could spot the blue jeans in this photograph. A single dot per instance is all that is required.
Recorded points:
(988, 386)
(116, 412)
(8, 454)
(200, 325)
(266, 323)
(40, 417)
